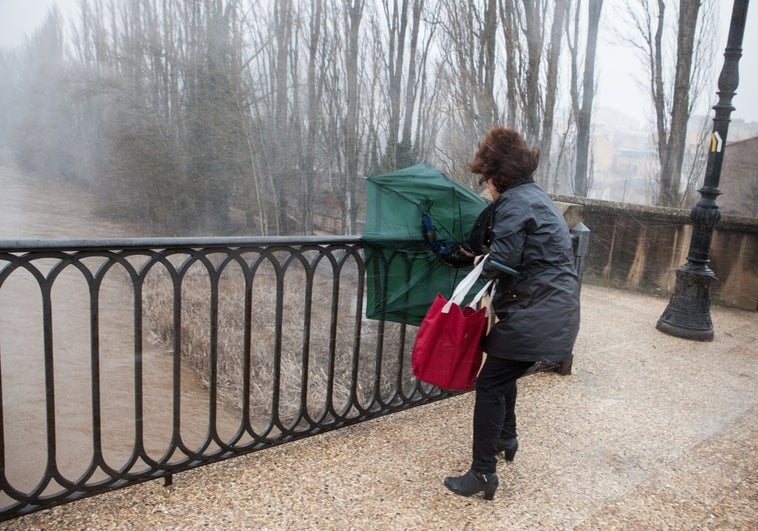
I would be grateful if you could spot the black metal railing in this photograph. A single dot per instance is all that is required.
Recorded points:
(123, 361)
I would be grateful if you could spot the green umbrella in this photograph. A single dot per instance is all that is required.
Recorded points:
(415, 219)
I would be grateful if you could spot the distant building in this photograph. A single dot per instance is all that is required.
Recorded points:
(741, 130)
(602, 154)
(634, 162)
(625, 162)
(739, 179)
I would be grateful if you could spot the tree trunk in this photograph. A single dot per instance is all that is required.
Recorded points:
(551, 88)
(410, 85)
(281, 119)
(510, 34)
(584, 119)
(532, 94)
(313, 98)
(397, 22)
(671, 164)
(353, 16)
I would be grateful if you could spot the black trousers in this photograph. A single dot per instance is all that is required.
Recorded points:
(495, 409)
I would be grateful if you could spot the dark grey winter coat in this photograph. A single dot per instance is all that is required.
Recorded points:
(538, 310)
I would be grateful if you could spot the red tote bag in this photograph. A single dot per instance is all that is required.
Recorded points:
(447, 351)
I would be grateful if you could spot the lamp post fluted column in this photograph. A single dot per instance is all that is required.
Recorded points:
(688, 312)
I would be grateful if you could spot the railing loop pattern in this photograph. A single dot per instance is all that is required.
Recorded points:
(123, 361)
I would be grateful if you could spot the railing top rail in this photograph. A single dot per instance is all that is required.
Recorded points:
(171, 243)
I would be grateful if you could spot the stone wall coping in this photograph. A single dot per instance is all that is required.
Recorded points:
(666, 214)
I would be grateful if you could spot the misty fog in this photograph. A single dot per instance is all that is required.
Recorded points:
(263, 117)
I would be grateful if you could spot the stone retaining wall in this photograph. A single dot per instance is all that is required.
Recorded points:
(640, 248)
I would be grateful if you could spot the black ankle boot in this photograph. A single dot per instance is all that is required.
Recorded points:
(508, 447)
(473, 482)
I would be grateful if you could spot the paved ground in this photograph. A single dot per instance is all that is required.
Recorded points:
(649, 432)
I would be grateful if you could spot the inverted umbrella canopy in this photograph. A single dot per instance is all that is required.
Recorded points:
(415, 219)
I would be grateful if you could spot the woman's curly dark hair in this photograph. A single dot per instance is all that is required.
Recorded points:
(504, 157)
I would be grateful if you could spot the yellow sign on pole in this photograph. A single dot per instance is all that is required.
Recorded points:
(716, 142)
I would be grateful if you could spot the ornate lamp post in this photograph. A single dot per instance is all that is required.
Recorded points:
(688, 312)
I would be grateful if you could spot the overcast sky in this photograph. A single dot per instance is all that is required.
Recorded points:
(618, 69)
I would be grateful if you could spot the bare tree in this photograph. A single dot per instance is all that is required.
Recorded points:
(162, 80)
(673, 148)
(38, 133)
(314, 87)
(353, 17)
(410, 85)
(551, 87)
(583, 113)
(534, 34)
(280, 107)
(469, 52)
(423, 89)
(498, 71)
(672, 100)
(695, 157)
(405, 59)
(280, 131)
(396, 20)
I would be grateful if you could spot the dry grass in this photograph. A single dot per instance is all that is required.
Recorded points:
(305, 364)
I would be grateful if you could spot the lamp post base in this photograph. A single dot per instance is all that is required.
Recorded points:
(688, 312)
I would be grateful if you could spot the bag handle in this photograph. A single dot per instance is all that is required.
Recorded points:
(465, 285)
(481, 294)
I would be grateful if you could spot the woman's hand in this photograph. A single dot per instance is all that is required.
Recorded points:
(465, 252)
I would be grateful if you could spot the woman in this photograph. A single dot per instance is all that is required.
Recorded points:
(536, 298)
